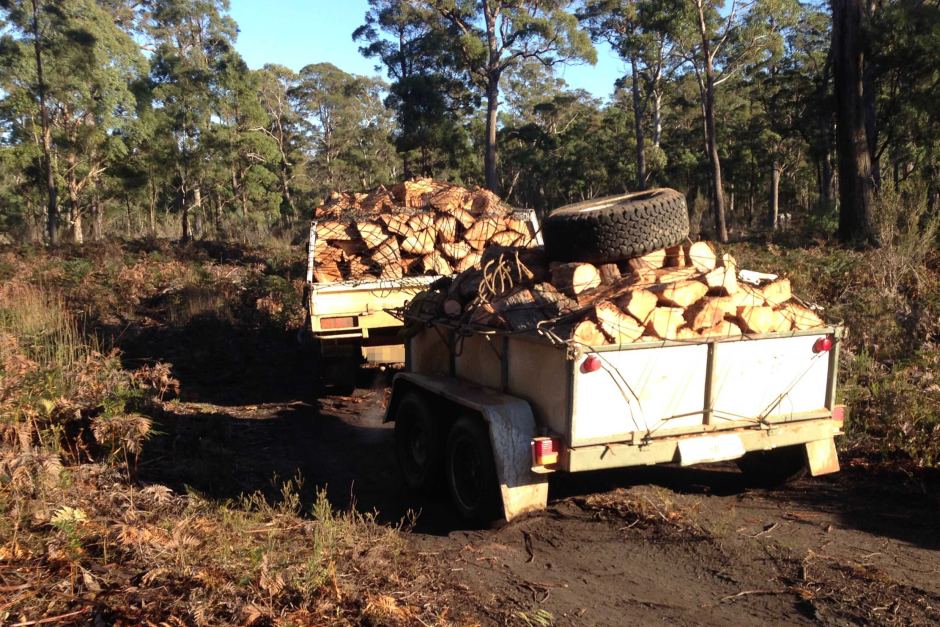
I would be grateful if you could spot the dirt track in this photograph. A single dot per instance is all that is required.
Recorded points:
(642, 546)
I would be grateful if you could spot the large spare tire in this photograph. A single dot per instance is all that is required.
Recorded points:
(610, 229)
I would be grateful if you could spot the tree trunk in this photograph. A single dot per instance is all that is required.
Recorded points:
(774, 217)
(855, 172)
(52, 209)
(197, 208)
(657, 118)
(489, 157)
(75, 213)
(184, 212)
(638, 128)
(718, 200)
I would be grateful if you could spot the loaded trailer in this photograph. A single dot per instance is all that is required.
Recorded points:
(351, 322)
(492, 415)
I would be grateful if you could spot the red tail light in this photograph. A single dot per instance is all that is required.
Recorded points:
(337, 323)
(545, 451)
(822, 345)
(591, 364)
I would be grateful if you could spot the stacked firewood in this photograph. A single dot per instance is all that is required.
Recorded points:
(682, 293)
(419, 227)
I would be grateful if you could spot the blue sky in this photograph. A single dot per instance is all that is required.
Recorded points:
(297, 32)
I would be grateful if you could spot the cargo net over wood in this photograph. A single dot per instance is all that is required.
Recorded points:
(682, 292)
(419, 227)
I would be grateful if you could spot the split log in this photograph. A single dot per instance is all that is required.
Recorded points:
(748, 296)
(643, 277)
(485, 202)
(685, 333)
(522, 227)
(471, 260)
(650, 261)
(465, 286)
(446, 227)
(333, 231)
(638, 303)
(480, 233)
(620, 327)
(587, 333)
(359, 269)
(450, 199)
(669, 275)
(520, 309)
(387, 253)
(419, 243)
(707, 313)
(455, 251)
(701, 256)
(421, 221)
(574, 278)
(396, 223)
(505, 238)
(351, 248)
(378, 200)
(782, 323)
(758, 319)
(551, 300)
(464, 217)
(725, 328)
(681, 293)
(675, 257)
(392, 271)
(609, 272)
(777, 292)
(801, 318)
(722, 280)
(435, 263)
(414, 194)
(371, 233)
(664, 322)
(328, 272)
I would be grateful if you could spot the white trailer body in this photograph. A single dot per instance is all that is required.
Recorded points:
(684, 402)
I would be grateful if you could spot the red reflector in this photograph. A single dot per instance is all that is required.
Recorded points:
(591, 364)
(822, 345)
(337, 323)
(545, 451)
(838, 413)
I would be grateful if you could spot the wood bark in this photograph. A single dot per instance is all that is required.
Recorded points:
(854, 157)
(52, 207)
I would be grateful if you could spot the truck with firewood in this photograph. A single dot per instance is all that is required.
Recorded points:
(620, 343)
(370, 254)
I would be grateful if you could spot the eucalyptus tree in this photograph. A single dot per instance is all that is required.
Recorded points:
(70, 65)
(491, 37)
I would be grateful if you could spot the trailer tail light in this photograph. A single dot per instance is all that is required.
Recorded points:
(591, 364)
(337, 323)
(545, 451)
(822, 345)
(838, 413)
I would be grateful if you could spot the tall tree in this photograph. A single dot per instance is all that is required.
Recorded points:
(852, 143)
(494, 36)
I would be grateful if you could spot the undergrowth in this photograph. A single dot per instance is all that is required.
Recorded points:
(82, 540)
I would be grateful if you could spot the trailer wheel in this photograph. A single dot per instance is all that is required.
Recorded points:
(471, 471)
(610, 229)
(774, 468)
(418, 444)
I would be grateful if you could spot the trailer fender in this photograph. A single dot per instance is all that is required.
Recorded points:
(511, 427)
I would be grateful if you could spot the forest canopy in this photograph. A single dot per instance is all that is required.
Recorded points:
(132, 118)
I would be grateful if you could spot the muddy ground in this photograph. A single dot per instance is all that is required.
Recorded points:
(643, 546)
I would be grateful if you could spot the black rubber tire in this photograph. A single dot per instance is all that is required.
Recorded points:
(774, 468)
(419, 445)
(340, 375)
(471, 472)
(615, 228)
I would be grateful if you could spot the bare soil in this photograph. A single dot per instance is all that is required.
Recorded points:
(640, 546)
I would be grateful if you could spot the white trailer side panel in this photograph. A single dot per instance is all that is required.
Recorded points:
(639, 390)
(774, 378)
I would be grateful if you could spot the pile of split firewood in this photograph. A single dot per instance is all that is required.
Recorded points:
(683, 292)
(420, 227)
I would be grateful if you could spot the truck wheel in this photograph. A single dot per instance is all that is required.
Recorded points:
(341, 375)
(471, 472)
(419, 443)
(774, 468)
(610, 229)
